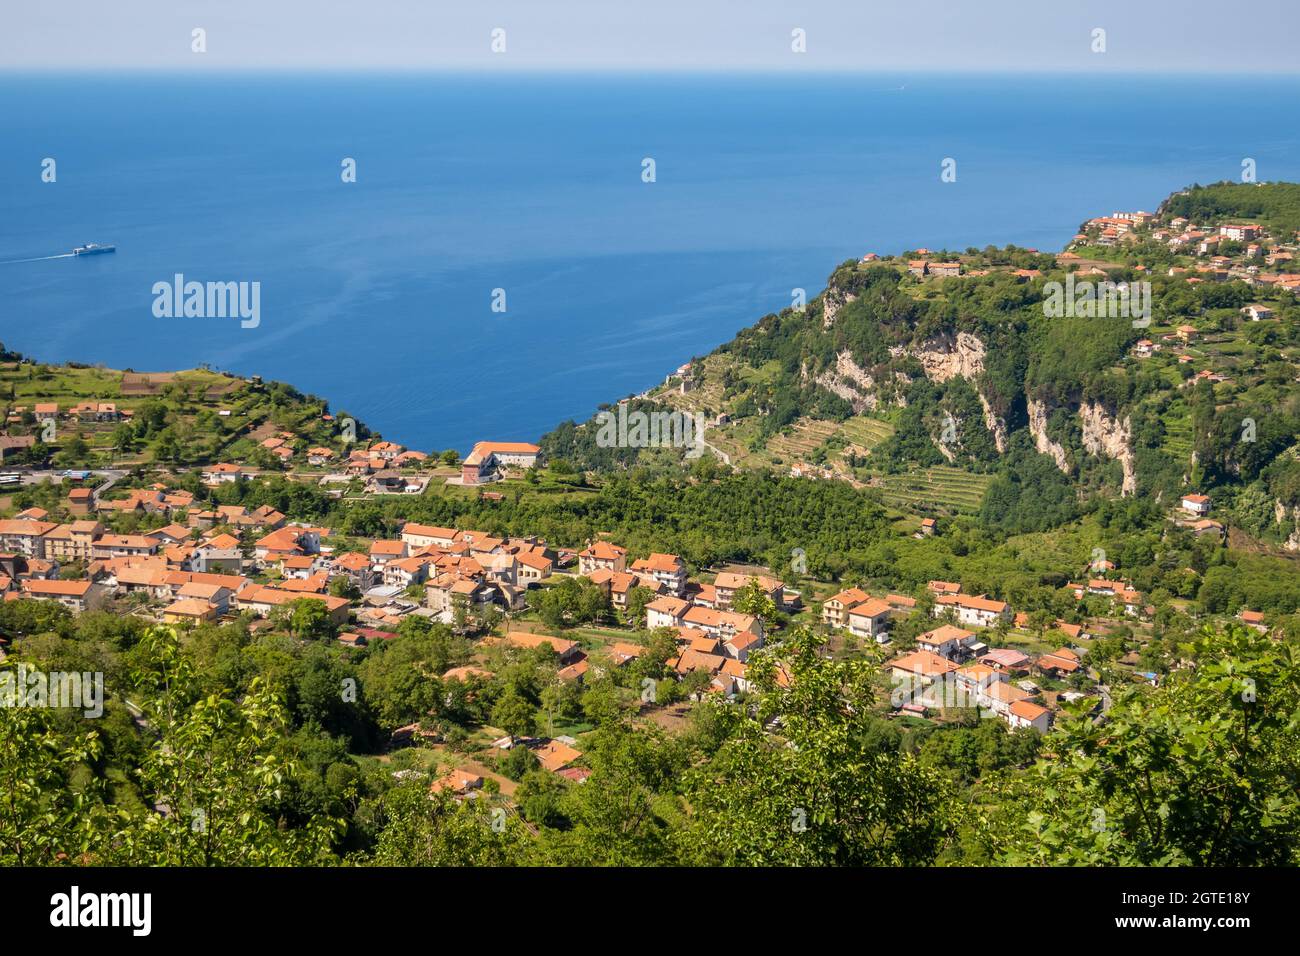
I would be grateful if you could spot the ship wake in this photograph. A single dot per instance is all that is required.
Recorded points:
(9, 262)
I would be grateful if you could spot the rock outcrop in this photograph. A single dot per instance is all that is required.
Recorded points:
(1282, 514)
(1044, 444)
(995, 425)
(943, 358)
(851, 382)
(833, 300)
(946, 357)
(1106, 436)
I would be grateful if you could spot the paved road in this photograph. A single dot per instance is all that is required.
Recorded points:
(55, 475)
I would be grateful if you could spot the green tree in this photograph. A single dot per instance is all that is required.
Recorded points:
(218, 782)
(423, 829)
(307, 619)
(637, 598)
(754, 600)
(798, 782)
(620, 816)
(514, 714)
(1200, 771)
(41, 817)
(398, 677)
(540, 796)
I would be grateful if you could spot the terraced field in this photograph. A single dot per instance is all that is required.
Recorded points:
(706, 393)
(866, 432)
(726, 440)
(926, 489)
(1177, 442)
(803, 439)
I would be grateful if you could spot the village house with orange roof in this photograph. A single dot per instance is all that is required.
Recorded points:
(77, 596)
(946, 641)
(666, 611)
(973, 610)
(870, 619)
(1059, 663)
(1025, 713)
(222, 473)
(602, 555)
(727, 583)
(666, 570)
(835, 609)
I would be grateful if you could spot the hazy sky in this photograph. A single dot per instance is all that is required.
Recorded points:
(984, 35)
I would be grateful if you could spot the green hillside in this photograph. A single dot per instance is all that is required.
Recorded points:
(189, 417)
(928, 387)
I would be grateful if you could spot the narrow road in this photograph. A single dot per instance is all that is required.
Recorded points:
(55, 476)
(726, 459)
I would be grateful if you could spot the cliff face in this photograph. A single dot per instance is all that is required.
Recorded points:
(1045, 445)
(869, 334)
(951, 354)
(1104, 435)
(963, 354)
(995, 425)
(851, 382)
(944, 358)
(1281, 515)
(941, 359)
(833, 300)
(1108, 437)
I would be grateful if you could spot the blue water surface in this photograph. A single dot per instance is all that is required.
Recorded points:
(378, 294)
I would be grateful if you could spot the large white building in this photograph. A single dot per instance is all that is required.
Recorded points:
(972, 611)
(515, 454)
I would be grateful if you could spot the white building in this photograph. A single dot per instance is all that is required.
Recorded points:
(973, 611)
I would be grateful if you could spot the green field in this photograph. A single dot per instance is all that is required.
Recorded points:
(70, 385)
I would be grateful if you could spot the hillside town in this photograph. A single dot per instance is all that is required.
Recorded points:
(146, 540)
(187, 563)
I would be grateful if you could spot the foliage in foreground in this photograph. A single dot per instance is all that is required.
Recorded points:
(1202, 770)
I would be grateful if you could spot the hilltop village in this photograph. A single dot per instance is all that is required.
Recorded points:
(1242, 251)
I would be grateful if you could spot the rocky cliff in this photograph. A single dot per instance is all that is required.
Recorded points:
(1038, 429)
(1107, 437)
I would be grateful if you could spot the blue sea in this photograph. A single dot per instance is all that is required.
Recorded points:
(378, 294)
